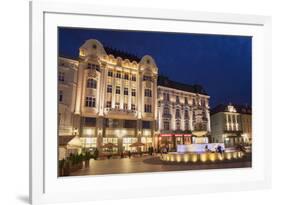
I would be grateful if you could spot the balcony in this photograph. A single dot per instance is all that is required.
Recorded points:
(118, 111)
(167, 115)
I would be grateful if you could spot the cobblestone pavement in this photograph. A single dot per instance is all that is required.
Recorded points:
(150, 164)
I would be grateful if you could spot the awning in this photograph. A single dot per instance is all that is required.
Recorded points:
(199, 133)
(175, 135)
(74, 143)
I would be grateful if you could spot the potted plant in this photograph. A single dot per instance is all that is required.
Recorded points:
(96, 154)
(61, 167)
(87, 158)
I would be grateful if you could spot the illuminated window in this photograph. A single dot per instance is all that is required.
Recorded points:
(61, 76)
(90, 101)
(91, 83)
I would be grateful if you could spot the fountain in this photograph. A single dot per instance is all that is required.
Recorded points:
(201, 152)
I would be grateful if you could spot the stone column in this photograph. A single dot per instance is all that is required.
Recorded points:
(80, 77)
(99, 133)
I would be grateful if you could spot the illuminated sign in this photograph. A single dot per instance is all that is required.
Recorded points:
(176, 135)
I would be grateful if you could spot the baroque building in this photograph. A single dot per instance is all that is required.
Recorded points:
(114, 98)
(183, 113)
(231, 124)
(108, 98)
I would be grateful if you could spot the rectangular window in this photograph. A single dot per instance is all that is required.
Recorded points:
(147, 78)
(133, 107)
(177, 113)
(130, 123)
(118, 75)
(203, 103)
(125, 106)
(147, 108)
(90, 121)
(126, 76)
(133, 92)
(186, 125)
(108, 104)
(126, 92)
(117, 105)
(147, 93)
(177, 99)
(166, 111)
(110, 73)
(117, 90)
(91, 83)
(90, 101)
(134, 77)
(146, 124)
(109, 88)
(166, 126)
(93, 67)
(61, 76)
(166, 96)
(178, 125)
(185, 100)
(186, 116)
(60, 95)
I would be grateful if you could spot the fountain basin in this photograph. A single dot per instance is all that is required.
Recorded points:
(201, 156)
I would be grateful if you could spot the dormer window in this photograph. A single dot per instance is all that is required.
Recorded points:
(94, 46)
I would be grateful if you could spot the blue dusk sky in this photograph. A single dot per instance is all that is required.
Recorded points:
(221, 64)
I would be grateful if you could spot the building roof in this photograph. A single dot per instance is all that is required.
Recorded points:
(122, 54)
(242, 109)
(166, 82)
(68, 57)
(110, 51)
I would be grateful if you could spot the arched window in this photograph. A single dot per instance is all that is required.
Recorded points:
(91, 83)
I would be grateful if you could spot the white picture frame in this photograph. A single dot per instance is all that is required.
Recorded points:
(46, 187)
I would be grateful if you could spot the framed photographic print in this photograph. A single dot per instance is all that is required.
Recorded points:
(147, 102)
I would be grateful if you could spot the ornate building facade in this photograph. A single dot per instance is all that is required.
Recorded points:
(232, 124)
(183, 113)
(115, 98)
(108, 97)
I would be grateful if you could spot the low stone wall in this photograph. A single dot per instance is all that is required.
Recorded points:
(201, 157)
